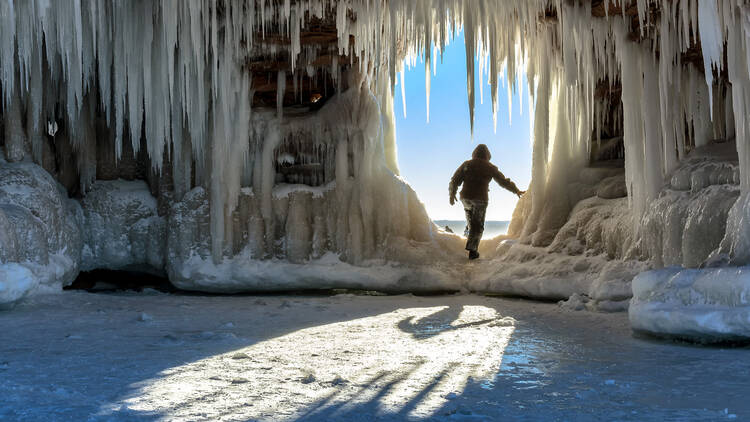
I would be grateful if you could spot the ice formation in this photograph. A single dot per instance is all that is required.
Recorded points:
(40, 236)
(640, 157)
(687, 303)
(121, 227)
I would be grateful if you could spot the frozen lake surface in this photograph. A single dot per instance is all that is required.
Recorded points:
(491, 228)
(151, 356)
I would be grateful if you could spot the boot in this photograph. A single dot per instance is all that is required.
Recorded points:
(473, 254)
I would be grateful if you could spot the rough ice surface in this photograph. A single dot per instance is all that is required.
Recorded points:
(686, 223)
(121, 227)
(703, 304)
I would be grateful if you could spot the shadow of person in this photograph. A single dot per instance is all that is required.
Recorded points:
(438, 322)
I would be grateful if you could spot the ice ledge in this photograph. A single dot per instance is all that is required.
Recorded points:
(243, 273)
(699, 304)
(283, 190)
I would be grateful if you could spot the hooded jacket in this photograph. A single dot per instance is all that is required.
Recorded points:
(476, 174)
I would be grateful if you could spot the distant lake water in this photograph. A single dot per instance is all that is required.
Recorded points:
(491, 228)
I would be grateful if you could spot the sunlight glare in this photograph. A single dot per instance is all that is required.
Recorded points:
(408, 362)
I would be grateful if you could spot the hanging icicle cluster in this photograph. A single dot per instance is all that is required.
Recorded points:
(172, 72)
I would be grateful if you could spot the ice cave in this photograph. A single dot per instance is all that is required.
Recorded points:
(250, 145)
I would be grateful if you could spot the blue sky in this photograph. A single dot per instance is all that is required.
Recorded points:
(429, 153)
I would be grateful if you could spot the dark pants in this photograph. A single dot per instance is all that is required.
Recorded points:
(475, 211)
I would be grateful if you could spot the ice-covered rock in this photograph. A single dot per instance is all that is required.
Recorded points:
(122, 228)
(594, 254)
(189, 231)
(16, 281)
(244, 273)
(29, 232)
(688, 222)
(9, 250)
(303, 246)
(40, 239)
(612, 187)
(30, 187)
(529, 271)
(597, 226)
(703, 304)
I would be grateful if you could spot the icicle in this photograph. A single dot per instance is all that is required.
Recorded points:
(15, 136)
(470, 41)
(403, 91)
(712, 43)
(280, 88)
(427, 59)
(186, 82)
(295, 37)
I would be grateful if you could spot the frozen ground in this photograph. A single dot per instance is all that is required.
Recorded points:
(150, 356)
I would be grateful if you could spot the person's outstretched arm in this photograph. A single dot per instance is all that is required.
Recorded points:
(506, 183)
(456, 181)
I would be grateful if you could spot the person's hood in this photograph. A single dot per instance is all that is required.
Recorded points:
(481, 152)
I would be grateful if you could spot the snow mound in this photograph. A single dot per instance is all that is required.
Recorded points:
(121, 227)
(534, 272)
(593, 255)
(702, 304)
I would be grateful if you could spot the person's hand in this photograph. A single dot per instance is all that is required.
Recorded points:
(520, 193)
(452, 199)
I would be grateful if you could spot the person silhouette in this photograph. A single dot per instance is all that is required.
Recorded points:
(475, 175)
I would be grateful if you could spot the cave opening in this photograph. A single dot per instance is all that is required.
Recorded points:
(435, 133)
(106, 281)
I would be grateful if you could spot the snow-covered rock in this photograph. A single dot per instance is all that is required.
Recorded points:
(593, 255)
(703, 304)
(40, 238)
(28, 186)
(597, 226)
(688, 222)
(121, 227)
(529, 271)
(16, 281)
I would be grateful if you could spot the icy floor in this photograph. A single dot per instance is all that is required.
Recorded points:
(81, 356)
